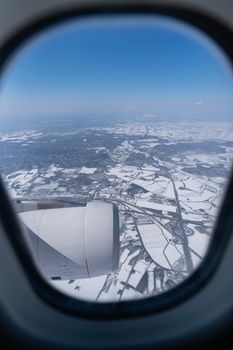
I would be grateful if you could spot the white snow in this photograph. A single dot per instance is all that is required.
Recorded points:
(85, 170)
(156, 206)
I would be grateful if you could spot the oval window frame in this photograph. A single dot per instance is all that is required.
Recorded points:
(223, 36)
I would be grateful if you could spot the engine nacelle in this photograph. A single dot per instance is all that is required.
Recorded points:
(74, 242)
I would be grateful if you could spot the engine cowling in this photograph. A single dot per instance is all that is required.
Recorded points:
(74, 242)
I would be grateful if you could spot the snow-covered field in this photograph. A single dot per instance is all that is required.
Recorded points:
(168, 180)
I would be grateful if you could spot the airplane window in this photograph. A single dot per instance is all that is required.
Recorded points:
(116, 141)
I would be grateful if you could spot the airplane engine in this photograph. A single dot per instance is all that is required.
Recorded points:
(74, 242)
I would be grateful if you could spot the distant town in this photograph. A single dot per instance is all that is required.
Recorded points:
(167, 179)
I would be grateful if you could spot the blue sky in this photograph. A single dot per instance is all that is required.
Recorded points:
(121, 66)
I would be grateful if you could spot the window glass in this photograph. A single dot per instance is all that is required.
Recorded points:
(116, 141)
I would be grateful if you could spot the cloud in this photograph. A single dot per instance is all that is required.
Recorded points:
(199, 103)
(149, 115)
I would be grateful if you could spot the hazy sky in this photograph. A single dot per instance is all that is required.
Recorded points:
(127, 66)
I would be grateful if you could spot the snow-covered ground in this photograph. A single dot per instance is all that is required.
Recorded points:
(164, 190)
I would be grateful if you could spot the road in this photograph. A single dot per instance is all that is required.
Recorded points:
(187, 252)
